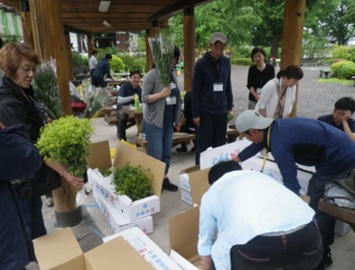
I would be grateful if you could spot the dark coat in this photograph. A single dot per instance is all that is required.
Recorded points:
(18, 160)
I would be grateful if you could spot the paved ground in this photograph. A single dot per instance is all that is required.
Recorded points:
(314, 99)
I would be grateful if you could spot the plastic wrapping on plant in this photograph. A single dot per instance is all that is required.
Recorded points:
(46, 91)
(162, 48)
(95, 99)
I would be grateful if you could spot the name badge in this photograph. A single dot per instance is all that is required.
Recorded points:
(258, 90)
(218, 87)
(170, 100)
(172, 85)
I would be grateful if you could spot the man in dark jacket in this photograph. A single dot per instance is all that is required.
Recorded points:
(126, 97)
(102, 69)
(19, 159)
(307, 142)
(212, 96)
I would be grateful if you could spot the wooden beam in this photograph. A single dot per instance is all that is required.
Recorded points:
(189, 47)
(292, 37)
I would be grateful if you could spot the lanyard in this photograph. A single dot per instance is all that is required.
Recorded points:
(267, 150)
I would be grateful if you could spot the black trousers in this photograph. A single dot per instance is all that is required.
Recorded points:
(122, 124)
(211, 132)
(300, 250)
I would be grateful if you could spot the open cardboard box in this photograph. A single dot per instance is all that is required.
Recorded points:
(183, 237)
(150, 251)
(61, 251)
(99, 157)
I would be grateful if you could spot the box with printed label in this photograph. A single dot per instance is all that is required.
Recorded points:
(149, 250)
(61, 251)
(118, 223)
(99, 157)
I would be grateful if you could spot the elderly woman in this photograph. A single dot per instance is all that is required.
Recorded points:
(18, 106)
(278, 95)
(161, 111)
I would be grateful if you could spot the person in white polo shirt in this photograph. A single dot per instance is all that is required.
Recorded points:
(260, 223)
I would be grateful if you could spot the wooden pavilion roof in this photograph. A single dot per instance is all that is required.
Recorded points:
(83, 16)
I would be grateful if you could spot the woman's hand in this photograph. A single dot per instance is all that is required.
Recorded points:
(165, 92)
(73, 180)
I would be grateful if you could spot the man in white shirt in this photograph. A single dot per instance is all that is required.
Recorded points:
(92, 64)
(260, 223)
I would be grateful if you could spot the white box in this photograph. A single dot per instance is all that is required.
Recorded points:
(226, 152)
(99, 157)
(130, 210)
(341, 228)
(118, 223)
(186, 196)
(151, 252)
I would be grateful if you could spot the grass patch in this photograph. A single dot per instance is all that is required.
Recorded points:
(337, 80)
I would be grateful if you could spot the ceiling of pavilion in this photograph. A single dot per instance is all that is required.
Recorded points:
(123, 15)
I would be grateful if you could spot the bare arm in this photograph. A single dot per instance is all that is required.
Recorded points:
(71, 179)
(162, 94)
(262, 112)
(346, 127)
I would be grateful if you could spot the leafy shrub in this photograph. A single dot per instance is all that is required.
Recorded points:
(351, 51)
(340, 52)
(102, 52)
(133, 62)
(242, 61)
(132, 182)
(117, 64)
(343, 69)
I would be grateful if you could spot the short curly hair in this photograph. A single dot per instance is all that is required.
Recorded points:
(11, 55)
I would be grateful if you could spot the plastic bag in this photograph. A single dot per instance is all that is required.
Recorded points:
(335, 194)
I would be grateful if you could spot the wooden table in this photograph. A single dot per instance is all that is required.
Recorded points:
(115, 83)
(343, 214)
(138, 118)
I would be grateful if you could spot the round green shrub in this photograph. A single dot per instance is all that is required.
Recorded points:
(340, 52)
(343, 69)
(242, 61)
(134, 62)
(117, 64)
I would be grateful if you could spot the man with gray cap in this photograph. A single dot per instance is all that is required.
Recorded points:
(308, 142)
(212, 96)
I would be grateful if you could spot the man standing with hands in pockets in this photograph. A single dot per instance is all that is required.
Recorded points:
(212, 96)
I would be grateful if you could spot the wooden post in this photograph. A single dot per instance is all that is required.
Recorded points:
(70, 58)
(150, 33)
(50, 43)
(26, 23)
(90, 45)
(189, 47)
(292, 37)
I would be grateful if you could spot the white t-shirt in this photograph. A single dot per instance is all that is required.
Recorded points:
(92, 62)
(242, 205)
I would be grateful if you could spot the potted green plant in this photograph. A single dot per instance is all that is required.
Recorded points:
(132, 182)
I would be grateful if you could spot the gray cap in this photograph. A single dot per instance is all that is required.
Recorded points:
(218, 36)
(251, 119)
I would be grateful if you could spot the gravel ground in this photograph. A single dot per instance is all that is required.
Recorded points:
(314, 99)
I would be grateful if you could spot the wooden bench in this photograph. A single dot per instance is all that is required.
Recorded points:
(111, 118)
(178, 137)
(343, 214)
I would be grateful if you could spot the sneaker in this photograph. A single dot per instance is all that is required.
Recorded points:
(169, 186)
(327, 260)
(49, 201)
(182, 149)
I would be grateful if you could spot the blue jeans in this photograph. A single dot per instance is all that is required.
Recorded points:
(160, 141)
(32, 216)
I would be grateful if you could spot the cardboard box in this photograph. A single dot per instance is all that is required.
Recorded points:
(99, 157)
(146, 248)
(61, 251)
(183, 241)
(118, 223)
(225, 152)
(198, 179)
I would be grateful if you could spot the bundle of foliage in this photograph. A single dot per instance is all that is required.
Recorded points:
(132, 182)
(45, 88)
(162, 47)
(66, 141)
(117, 64)
(343, 69)
(95, 99)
